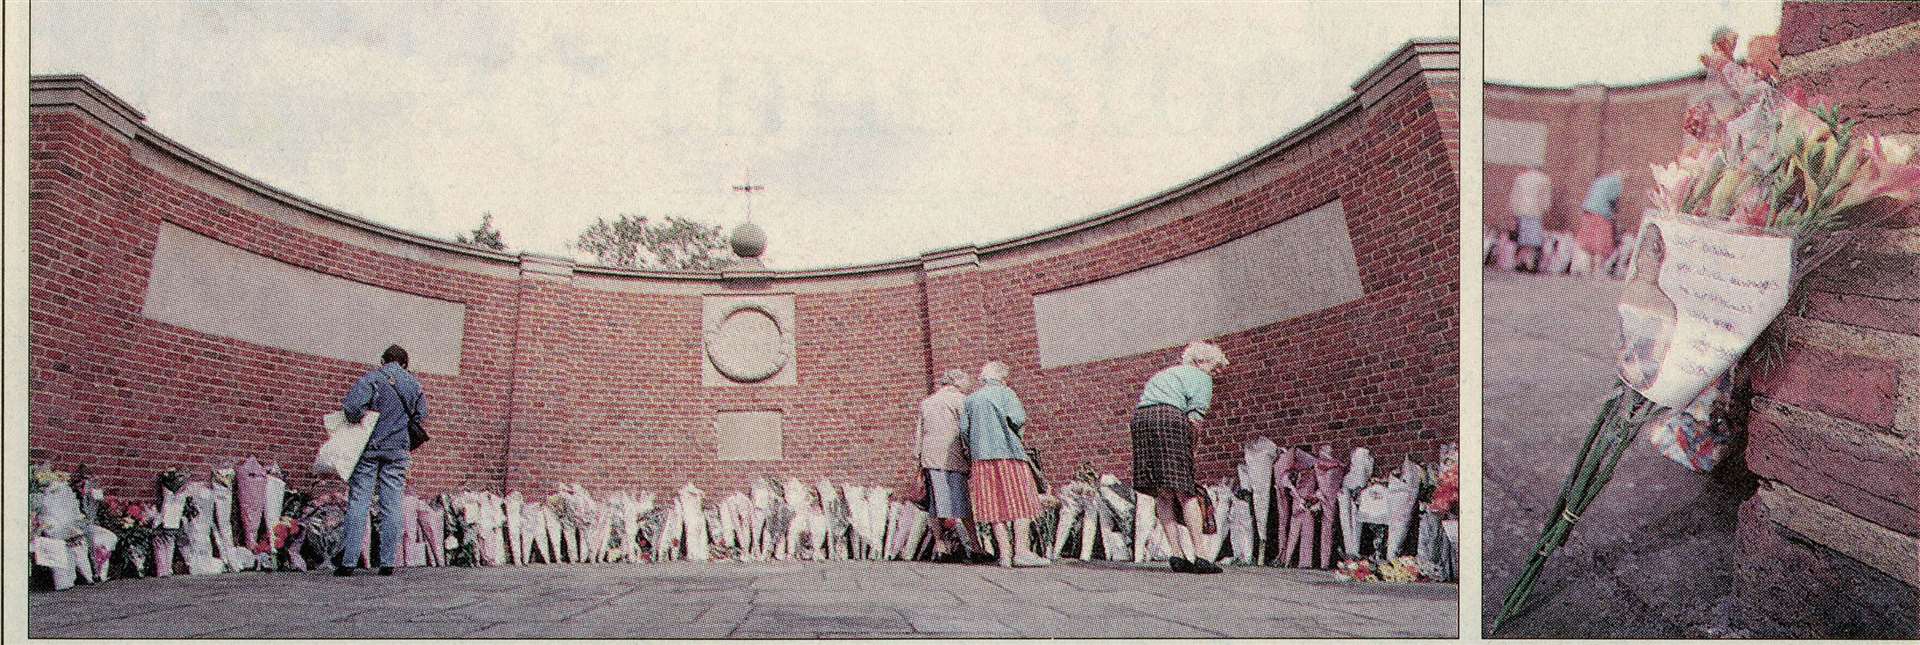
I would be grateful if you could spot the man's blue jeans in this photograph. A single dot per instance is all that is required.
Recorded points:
(388, 470)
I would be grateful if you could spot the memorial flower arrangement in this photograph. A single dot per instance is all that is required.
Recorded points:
(322, 524)
(132, 524)
(460, 547)
(1767, 189)
(42, 477)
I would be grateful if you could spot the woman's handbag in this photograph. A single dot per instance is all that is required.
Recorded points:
(416, 434)
(1033, 464)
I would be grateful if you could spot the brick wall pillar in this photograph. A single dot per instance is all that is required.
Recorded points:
(1830, 544)
(956, 325)
(540, 446)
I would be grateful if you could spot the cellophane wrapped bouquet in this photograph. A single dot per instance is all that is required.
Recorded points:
(1759, 163)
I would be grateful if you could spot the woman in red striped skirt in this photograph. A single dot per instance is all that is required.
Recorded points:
(1001, 488)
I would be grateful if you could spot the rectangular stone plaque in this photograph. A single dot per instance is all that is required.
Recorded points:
(748, 435)
(1295, 267)
(1515, 143)
(208, 286)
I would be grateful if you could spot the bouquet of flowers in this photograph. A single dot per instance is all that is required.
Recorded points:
(461, 548)
(1356, 570)
(651, 527)
(132, 526)
(1765, 191)
(1401, 569)
(561, 506)
(322, 523)
(43, 476)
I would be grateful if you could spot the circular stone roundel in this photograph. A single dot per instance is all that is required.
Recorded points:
(747, 344)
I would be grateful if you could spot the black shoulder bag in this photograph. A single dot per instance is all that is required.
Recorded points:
(416, 434)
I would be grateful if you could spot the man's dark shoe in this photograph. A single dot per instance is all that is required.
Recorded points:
(386, 571)
(344, 572)
(976, 557)
(1180, 565)
(1205, 566)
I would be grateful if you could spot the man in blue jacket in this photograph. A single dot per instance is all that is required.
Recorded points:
(393, 392)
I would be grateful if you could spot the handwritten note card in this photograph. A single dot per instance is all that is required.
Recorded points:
(1726, 285)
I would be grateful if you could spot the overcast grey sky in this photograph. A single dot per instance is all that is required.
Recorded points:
(880, 131)
(1614, 42)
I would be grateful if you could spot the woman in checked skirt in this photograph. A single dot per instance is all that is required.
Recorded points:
(1170, 412)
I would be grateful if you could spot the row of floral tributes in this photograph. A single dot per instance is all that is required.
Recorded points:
(245, 518)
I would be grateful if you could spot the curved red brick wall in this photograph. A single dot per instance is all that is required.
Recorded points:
(1591, 130)
(581, 374)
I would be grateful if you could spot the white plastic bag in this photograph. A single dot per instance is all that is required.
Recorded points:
(344, 443)
(53, 554)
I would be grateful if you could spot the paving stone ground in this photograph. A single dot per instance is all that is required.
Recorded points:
(1652, 557)
(747, 600)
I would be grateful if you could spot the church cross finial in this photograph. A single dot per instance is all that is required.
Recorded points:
(749, 188)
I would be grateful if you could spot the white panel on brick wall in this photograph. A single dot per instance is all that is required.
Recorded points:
(748, 436)
(1515, 143)
(202, 284)
(1296, 267)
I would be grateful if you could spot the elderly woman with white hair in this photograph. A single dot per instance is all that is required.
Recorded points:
(1165, 421)
(1002, 490)
(944, 464)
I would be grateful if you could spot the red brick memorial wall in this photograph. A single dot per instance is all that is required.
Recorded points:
(544, 371)
(1589, 130)
(1830, 544)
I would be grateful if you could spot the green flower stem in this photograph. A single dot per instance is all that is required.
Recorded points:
(1613, 431)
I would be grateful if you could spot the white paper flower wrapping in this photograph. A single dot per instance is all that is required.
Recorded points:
(515, 503)
(1402, 493)
(694, 517)
(917, 536)
(60, 516)
(276, 501)
(730, 530)
(52, 553)
(232, 557)
(344, 443)
(877, 498)
(1144, 521)
(199, 532)
(1158, 549)
(1240, 530)
(669, 548)
(758, 545)
(838, 522)
(104, 544)
(1258, 477)
(551, 540)
(1359, 471)
(896, 537)
(1221, 496)
(1063, 524)
(533, 520)
(493, 521)
(1723, 286)
(1090, 525)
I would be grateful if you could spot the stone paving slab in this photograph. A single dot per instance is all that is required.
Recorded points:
(1650, 557)
(751, 600)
